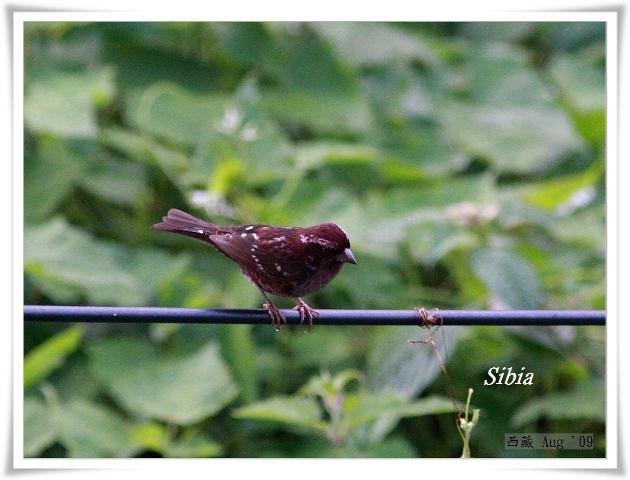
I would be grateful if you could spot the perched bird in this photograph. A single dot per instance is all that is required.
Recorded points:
(285, 261)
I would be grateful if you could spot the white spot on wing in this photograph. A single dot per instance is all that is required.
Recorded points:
(243, 235)
(200, 231)
(278, 267)
(250, 227)
(255, 236)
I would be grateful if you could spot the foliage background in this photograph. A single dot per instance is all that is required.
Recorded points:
(465, 160)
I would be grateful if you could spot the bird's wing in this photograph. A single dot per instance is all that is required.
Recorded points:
(234, 246)
(254, 248)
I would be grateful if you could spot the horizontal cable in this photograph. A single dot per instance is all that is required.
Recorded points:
(45, 313)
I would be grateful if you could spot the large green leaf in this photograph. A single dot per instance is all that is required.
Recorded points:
(307, 63)
(585, 401)
(141, 148)
(378, 223)
(240, 353)
(193, 445)
(65, 103)
(67, 263)
(179, 389)
(393, 366)
(246, 141)
(89, 430)
(84, 428)
(365, 408)
(301, 412)
(496, 31)
(119, 182)
(511, 280)
(50, 354)
(513, 138)
(157, 438)
(324, 113)
(49, 174)
(367, 43)
(156, 269)
(171, 112)
(582, 84)
(39, 429)
(560, 190)
(500, 75)
(432, 240)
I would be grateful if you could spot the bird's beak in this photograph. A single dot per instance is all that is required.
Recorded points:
(347, 257)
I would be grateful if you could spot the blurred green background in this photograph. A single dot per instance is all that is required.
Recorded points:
(465, 160)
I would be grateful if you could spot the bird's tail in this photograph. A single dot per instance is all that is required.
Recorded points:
(184, 223)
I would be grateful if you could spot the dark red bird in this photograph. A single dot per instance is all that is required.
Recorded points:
(285, 261)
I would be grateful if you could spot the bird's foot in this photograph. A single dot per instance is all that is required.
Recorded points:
(277, 319)
(306, 313)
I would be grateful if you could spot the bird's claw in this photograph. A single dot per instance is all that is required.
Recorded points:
(306, 313)
(277, 319)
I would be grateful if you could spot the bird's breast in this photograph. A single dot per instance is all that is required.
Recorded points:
(291, 280)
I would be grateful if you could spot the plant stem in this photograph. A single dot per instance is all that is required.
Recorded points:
(466, 426)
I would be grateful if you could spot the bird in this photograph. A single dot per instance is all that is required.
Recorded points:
(285, 261)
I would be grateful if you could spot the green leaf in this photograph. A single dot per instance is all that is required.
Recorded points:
(393, 367)
(581, 81)
(66, 263)
(511, 280)
(583, 228)
(501, 75)
(323, 348)
(558, 191)
(90, 431)
(179, 389)
(155, 269)
(50, 354)
(168, 111)
(518, 139)
(315, 154)
(496, 31)
(306, 63)
(115, 181)
(585, 402)
(49, 174)
(194, 446)
(297, 411)
(324, 113)
(582, 86)
(249, 43)
(65, 103)
(367, 43)
(39, 431)
(368, 407)
(391, 447)
(74, 381)
(142, 149)
(430, 241)
(150, 436)
(376, 284)
(247, 141)
(326, 385)
(240, 352)
(379, 223)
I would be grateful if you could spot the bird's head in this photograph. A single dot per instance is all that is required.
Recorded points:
(332, 239)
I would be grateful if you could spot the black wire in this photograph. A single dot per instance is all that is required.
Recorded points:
(46, 313)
